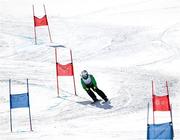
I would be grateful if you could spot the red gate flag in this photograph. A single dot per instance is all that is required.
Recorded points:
(64, 70)
(161, 103)
(40, 21)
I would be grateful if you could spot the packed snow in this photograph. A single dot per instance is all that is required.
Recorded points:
(124, 44)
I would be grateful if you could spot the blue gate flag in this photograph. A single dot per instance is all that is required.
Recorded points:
(19, 100)
(160, 131)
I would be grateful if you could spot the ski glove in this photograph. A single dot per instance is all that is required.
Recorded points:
(86, 89)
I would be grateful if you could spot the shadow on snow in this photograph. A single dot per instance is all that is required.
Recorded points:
(105, 105)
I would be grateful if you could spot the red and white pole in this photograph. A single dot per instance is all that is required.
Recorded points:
(153, 101)
(57, 80)
(48, 25)
(73, 72)
(35, 36)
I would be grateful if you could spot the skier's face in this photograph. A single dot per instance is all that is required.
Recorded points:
(85, 76)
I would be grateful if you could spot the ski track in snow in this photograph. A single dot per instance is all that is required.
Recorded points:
(129, 81)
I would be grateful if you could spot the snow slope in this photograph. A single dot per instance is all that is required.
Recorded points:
(125, 44)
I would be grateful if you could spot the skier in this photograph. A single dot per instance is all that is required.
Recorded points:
(89, 84)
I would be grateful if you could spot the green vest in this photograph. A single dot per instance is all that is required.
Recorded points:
(92, 83)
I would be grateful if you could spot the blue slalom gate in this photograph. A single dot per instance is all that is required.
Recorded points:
(19, 101)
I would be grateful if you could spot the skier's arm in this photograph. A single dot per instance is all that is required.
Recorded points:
(93, 81)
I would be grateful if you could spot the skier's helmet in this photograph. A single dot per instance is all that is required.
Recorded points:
(84, 74)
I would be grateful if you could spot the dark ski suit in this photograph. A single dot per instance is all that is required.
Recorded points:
(90, 85)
